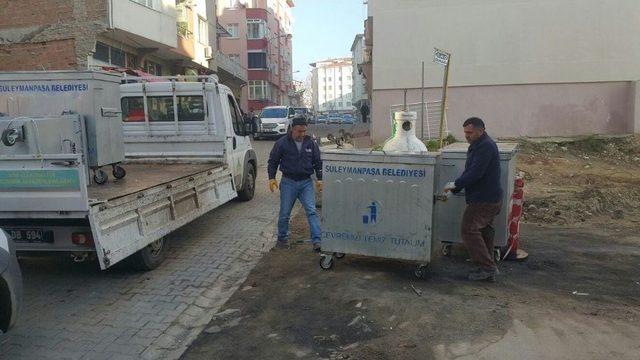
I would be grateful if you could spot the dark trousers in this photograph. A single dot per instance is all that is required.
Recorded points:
(478, 232)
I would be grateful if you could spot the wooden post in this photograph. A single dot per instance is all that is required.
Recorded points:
(444, 101)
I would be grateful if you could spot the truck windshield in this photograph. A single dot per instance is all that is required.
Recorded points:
(273, 113)
(160, 108)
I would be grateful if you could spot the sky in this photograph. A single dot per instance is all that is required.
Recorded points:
(324, 29)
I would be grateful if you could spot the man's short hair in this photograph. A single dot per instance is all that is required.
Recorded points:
(475, 121)
(298, 120)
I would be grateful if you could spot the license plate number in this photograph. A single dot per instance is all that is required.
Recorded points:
(28, 235)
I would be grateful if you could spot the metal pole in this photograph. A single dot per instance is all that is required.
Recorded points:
(422, 105)
(444, 101)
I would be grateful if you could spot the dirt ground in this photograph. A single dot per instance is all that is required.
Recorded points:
(576, 297)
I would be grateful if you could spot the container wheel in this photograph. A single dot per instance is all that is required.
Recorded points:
(118, 172)
(420, 271)
(100, 176)
(446, 249)
(326, 262)
(338, 255)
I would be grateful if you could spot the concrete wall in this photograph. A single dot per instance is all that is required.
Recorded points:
(531, 68)
(505, 41)
(526, 110)
(157, 24)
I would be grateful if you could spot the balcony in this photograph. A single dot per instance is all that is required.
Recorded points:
(149, 26)
(368, 32)
(229, 71)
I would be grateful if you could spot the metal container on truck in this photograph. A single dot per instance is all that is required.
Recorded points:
(378, 204)
(93, 95)
(448, 214)
(187, 153)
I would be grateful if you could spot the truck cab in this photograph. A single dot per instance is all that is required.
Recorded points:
(187, 121)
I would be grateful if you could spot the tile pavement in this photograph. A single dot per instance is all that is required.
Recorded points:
(76, 311)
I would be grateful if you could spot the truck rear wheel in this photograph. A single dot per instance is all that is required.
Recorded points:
(249, 184)
(151, 256)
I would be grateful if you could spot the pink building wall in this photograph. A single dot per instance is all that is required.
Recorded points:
(236, 46)
(525, 110)
(242, 45)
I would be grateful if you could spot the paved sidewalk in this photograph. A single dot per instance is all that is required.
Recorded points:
(75, 311)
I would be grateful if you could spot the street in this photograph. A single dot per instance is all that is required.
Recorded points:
(76, 311)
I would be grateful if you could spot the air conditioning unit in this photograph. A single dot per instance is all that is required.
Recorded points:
(208, 52)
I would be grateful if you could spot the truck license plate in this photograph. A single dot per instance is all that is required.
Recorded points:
(30, 235)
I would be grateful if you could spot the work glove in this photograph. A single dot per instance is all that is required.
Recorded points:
(273, 184)
(319, 185)
(450, 186)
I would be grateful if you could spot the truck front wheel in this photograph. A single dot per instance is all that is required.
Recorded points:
(151, 256)
(249, 184)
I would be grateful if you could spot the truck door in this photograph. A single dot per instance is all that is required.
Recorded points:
(237, 139)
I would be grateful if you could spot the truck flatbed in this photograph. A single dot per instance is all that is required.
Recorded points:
(143, 176)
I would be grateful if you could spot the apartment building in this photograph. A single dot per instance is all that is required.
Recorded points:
(359, 96)
(332, 83)
(529, 68)
(260, 33)
(159, 37)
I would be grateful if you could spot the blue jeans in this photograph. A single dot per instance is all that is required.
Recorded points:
(290, 190)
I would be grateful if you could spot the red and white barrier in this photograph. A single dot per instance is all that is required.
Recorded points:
(517, 202)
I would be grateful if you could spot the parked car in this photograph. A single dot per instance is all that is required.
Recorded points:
(306, 112)
(10, 284)
(321, 119)
(334, 118)
(347, 119)
(274, 121)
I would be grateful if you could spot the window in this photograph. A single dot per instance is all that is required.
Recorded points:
(147, 3)
(329, 87)
(348, 103)
(132, 61)
(102, 52)
(233, 30)
(329, 79)
(271, 113)
(258, 90)
(152, 68)
(257, 60)
(203, 31)
(235, 58)
(117, 57)
(227, 3)
(255, 29)
(236, 118)
(160, 108)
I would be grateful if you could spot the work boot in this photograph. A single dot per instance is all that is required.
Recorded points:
(317, 248)
(483, 275)
(282, 245)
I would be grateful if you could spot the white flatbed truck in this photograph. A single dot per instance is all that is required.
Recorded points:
(186, 152)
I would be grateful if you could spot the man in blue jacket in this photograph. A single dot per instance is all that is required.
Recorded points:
(298, 157)
(483, 194)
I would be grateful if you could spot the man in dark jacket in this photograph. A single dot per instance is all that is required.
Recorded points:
(298, 157)
(483, 194)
